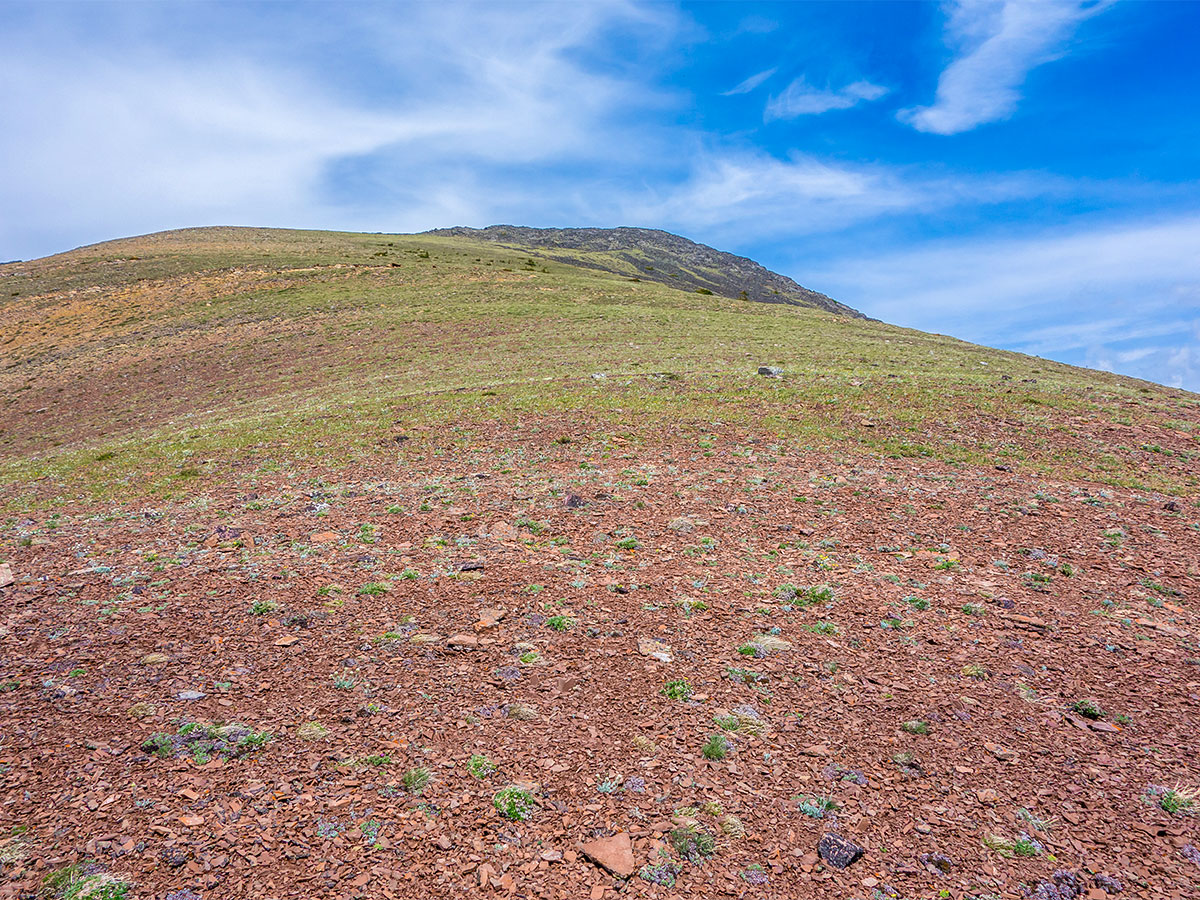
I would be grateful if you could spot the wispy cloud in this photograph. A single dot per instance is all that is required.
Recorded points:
(802, 99)
(1084, 296)
(998, 42)
(750, 83)
(130, 134)
(737, 198)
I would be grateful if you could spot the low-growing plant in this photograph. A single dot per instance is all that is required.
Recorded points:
(373, 588)
(560, 623)
(263, 607)
(479, 766)
(826, 628)
(83, 881)
(677, 689)
(415, 780)
(716, 748)
(693, 844)
(1089, 709)
(1177, 800)
(312, 731)
(514, 803)
(664, 872)
(1023, 846)
(817, 807)
(915, 726)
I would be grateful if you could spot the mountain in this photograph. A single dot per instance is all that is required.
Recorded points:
(652, 255)
(413, 566)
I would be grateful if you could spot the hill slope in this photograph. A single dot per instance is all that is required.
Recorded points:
(149, 354)
(652, 255)
(396, 566)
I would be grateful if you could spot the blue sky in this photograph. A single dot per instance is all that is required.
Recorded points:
(1020, 173)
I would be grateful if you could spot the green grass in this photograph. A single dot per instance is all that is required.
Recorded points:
(416, 780)
(536, 337)
(716, 748)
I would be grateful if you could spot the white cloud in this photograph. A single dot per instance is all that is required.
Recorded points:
(750, 83)
(802, 99)
(1117, 296)
(122, 132)
(998, 43)
(734, 198)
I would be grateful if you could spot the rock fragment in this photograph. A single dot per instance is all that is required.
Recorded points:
(612, 853)
(838, 851)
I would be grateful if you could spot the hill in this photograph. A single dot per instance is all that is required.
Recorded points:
(347, 565)
(648, 254)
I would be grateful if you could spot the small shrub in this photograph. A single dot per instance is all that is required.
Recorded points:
(1176, 801)
(514, 803)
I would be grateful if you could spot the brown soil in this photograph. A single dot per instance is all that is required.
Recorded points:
(117, 607)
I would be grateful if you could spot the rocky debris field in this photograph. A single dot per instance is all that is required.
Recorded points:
(555, 666)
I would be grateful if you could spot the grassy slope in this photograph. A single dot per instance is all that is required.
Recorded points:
(147, 364)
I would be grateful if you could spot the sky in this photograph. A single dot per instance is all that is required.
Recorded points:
(1018, 173)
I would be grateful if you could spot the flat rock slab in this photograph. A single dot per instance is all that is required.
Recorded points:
(489, 619)
(612, 853)
(654, 649)
(192, 695)
(6, 575)
(502, 531)
(463, 642)
(838, 851)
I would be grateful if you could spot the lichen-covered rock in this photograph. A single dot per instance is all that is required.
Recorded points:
(838, 851)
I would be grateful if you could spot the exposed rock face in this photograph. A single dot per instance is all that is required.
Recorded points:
(653, 255)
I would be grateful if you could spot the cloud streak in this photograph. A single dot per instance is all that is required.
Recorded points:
(998, 42)
(750, 83)
(802, 99)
